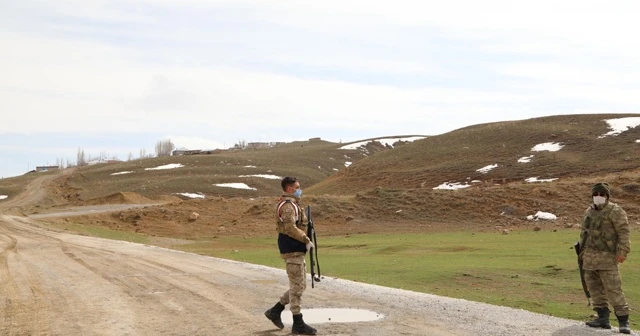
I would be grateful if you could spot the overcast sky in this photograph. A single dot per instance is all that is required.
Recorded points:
(115, 77)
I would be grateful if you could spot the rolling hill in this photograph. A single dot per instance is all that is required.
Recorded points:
(482, 177)
(582, 149)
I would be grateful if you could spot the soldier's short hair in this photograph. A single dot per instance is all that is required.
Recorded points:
(288, 181)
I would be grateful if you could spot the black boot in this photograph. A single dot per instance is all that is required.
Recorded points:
(624, 324)
(603, 319)
(301, 328)
(273, 314)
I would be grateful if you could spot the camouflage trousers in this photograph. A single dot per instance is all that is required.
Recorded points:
(296, 270)
(605, 287)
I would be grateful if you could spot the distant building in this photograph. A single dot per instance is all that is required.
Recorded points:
(46, 168)
(178, 152)
(255, 145)
(186, 152)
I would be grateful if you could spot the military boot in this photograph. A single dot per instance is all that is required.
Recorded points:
(301, 328)
(602, 321)
(273, 314)
(624, 324)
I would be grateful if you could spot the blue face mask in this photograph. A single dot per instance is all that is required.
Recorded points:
(297, 193)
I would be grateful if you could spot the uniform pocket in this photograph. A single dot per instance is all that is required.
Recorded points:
(610, 240)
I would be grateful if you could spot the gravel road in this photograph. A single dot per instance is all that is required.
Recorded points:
(55, 283)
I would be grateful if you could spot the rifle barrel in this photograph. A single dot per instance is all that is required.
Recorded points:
(578, 249)
(313, 252)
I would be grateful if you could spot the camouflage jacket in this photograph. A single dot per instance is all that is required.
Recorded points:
(291, 224)
(604, 235)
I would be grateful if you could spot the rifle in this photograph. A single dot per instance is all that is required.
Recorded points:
(576, 247)
(311, 233)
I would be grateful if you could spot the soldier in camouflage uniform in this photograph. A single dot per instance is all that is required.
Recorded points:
(604, 243)
(293, 243)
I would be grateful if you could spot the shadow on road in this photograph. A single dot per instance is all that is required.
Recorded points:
(271, 332)
(583, 330)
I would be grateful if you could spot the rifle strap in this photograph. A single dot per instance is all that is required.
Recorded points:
(295, 209)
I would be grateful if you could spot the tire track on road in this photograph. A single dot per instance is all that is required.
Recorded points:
(24, 302)
(8, 286)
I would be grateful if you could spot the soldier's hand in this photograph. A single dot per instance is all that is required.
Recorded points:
(621, 259)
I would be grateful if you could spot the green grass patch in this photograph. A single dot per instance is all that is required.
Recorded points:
(535, 271)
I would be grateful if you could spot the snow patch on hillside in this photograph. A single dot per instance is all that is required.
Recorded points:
(451, 186)
(525, 159)
(535, 179)
(234, 185)
(487, 169)
(540, 215)
(168, 166)
(191, 195)
(266, 176)
(547, 146)
(620, 125)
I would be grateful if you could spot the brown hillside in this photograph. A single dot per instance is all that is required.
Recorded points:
(486, 207)
(389, 190)
(121, 198)
(310, 161)
(456, 156)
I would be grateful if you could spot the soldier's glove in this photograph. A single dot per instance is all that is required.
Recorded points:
(310, 246)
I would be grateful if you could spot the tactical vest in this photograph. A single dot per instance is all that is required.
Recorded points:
(288, 244)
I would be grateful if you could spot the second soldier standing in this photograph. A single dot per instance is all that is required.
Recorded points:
(293, 243)
(605, 243)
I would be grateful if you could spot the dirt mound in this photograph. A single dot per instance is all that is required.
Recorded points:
(122, 198)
